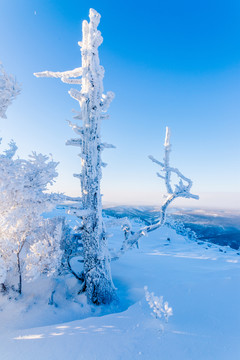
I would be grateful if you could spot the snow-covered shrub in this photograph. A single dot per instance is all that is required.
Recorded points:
(9, 89)
(159, 307)
(181, 229)
(45, 254)
(71, 246)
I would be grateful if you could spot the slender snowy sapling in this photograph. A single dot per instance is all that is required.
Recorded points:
(94, 104)
(182, 189)
(159, 308)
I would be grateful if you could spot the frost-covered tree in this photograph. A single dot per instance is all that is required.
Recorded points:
(180, 190)
(29, 244)
(94, 104)
(23, 198)
(9, 89)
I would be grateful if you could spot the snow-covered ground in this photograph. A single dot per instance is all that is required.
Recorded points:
(200, 283)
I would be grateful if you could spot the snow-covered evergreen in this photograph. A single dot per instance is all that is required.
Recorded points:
(94, 104)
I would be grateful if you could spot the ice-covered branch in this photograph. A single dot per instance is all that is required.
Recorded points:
(106, 100)
(61, 74)
(104, 116)
(78, 176)
(106, 146)
(78, 115)
(72, 198)
(74, 142)
(81, 213)
(71, 81)
(77, 129)
(77, 95)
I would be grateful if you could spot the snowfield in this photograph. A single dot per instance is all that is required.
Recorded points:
(199, 282)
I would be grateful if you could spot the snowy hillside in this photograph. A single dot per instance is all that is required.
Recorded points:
(199, 282)
(79, 282)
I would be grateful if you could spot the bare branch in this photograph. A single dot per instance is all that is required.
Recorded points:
(77, 95)
(77, 129)
(107, 146)
(61, 74)
(74, 142)
(106, 100)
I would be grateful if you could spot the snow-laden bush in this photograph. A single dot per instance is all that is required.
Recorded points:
(181, 229)
(159, 307)
(45, 253)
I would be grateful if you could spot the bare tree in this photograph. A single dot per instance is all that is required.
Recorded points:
(97, 280)
(180, 190)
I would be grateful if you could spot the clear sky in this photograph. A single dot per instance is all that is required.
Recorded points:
(174, 63)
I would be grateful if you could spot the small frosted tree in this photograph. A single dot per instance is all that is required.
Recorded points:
(180, 190)
(23, 198)
(29, 244)
(94, 103)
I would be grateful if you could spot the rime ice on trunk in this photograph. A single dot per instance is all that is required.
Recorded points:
(93, 103)
(96, 263)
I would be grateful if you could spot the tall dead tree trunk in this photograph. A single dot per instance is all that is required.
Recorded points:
(94, 104)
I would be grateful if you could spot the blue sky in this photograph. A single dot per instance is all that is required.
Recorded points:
(169, 63)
